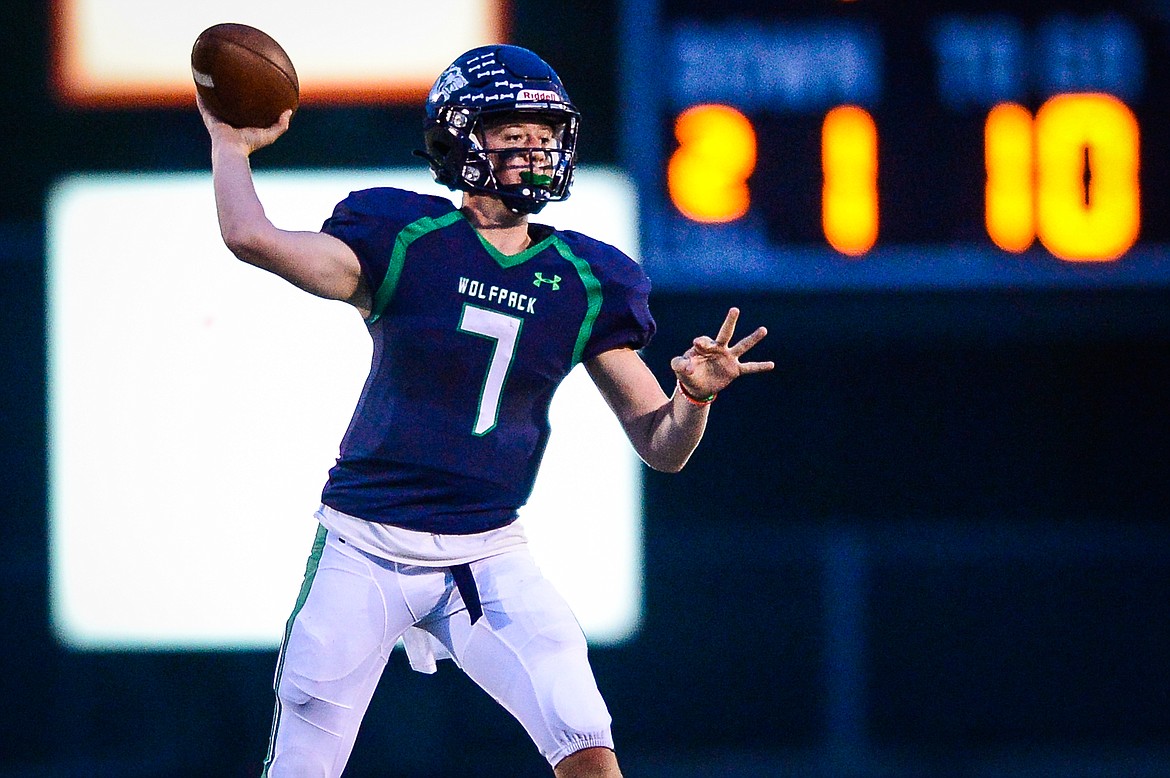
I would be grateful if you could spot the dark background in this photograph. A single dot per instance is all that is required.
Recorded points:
(934, 542)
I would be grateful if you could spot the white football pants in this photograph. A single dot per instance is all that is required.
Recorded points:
(527, 651)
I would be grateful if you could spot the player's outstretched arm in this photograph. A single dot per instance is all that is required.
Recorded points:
(665, 430)
(316, 262)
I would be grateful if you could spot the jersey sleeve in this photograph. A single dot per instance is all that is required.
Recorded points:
(624, 320)
(369, 222)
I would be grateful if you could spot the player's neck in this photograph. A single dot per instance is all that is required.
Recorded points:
(499, 225)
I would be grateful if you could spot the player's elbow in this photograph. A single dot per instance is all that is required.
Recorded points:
(668, 467)
(249, 242)
(241, 239)
(665, 462)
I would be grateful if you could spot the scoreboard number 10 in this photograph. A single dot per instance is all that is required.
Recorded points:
(1067, 176)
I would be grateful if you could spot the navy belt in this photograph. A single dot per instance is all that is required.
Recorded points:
(465, 583)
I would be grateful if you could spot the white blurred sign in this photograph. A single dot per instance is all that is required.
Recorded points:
(196, 404)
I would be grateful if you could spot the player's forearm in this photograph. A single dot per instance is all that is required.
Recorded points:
(664, 431)
(242, 221)
(667, 438)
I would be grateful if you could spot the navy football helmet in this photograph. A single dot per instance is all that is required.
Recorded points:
(498, 83)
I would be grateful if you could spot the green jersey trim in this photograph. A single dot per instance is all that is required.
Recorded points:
(507, 261)
(428, 224)
(409, 234)
(592, 296)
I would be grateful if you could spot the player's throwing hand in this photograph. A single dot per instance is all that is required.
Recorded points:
(250, 138)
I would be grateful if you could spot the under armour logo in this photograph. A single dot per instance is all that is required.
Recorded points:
(540, 279)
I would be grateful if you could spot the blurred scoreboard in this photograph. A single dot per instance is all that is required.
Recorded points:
(832, 144)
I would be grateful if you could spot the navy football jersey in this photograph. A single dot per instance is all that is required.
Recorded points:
(469, 346)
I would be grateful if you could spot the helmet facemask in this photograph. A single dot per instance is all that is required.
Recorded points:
(525, 178)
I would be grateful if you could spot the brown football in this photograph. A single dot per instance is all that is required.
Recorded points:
(244, 76)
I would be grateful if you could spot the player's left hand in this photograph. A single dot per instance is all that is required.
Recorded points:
(710, 364)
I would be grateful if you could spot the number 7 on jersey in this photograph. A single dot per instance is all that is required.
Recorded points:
(504, 331)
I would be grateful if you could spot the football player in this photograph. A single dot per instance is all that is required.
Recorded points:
(476, 315)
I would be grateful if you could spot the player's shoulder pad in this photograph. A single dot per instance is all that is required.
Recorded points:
(605, 259)
(390, 202)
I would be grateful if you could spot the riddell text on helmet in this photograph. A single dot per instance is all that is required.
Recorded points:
(537, 96)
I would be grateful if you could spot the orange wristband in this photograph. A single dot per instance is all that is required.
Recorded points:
(695, 400)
